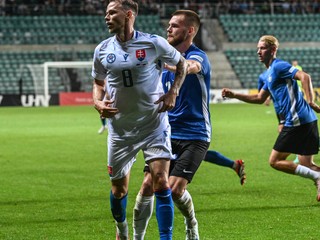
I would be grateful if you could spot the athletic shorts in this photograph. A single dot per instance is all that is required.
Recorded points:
(188, 155)
(302, 140)
(122, 153)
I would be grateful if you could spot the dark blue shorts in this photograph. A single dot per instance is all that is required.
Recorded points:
(302, 140)
(188, 157)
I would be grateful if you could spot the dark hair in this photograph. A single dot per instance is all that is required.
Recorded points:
(192, 18)
(127, 4)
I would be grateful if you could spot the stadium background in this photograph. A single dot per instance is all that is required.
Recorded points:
(39, 31)
(52, 177)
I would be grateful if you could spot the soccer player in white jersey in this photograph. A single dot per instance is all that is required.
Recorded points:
(190, 125)
(132, 61)
(299, 134)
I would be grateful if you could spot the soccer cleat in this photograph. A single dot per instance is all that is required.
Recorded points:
(317, 182)
(192, 233)
(122, 231)
(240, 171)
(101, 130)
(118, 237)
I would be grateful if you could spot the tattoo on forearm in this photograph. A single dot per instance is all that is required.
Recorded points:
(180, 74)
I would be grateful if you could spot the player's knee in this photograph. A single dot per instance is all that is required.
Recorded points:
(160, 181)
(147, 188)
(273, 163)
(176, 193)
(119, 192)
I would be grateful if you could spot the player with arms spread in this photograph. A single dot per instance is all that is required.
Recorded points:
(136, 106)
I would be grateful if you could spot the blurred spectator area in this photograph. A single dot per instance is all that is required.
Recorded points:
(209, 8)
(37, 31)
(69, 29)
(287, 27)
(64, 7)
(245, 63)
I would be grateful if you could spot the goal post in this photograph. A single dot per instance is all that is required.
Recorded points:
(61, 64)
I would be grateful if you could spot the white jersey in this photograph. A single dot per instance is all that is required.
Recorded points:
(133, 71)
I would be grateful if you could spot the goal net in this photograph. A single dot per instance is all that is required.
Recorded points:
(54, 77)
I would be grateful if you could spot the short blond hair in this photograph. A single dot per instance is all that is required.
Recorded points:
(270, 40)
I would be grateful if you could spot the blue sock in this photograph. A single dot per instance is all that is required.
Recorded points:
(118, 207)
(103, 121)
(217, 158)
(164, 213)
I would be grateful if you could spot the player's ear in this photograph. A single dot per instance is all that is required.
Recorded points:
(191, 30)
(129, 14)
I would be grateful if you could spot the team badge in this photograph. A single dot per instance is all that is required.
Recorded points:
(111, 58)
(125, 57)
(141, 54)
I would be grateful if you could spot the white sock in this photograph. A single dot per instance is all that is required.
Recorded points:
(123, 228)
(185, 205)
(306, 172)
(142, 212)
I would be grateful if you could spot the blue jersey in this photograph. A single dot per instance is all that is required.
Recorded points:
(190, 118)
(262, 80)
(288, 101)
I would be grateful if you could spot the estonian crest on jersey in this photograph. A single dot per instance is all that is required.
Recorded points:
(141, 54)
(111, 58)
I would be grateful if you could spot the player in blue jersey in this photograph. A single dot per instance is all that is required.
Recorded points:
(261, 82)
(136, 108)
(299, 134)
(190, 125)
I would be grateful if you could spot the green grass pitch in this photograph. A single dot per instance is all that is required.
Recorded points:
(54, 183)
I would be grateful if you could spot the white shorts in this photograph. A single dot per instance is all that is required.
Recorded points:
(122, 153)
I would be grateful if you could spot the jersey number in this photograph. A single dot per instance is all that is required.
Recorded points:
(127, 78)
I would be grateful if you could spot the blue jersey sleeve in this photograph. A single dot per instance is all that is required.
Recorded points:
(262, 80)
(285, 70)
(202, 59)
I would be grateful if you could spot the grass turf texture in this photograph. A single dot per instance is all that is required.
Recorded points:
(53, 181)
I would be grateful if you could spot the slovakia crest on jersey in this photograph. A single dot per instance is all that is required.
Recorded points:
(141, 54)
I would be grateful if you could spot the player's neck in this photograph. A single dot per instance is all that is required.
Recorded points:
(183, 47)
(268, 64)
(126, 35)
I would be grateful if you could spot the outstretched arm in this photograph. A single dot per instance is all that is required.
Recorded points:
(249, 98)
(193, 67)
(169, 99)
